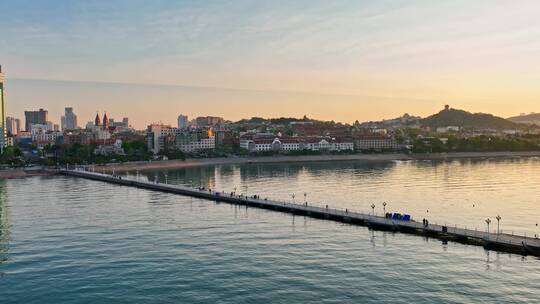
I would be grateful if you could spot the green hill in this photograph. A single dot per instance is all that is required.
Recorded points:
(464, 119)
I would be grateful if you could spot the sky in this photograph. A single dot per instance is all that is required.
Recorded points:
(338, 60)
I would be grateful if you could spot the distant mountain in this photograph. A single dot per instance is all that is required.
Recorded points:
(533, 118)
(464, 119)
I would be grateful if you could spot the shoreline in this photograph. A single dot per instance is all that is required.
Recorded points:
(16, 173)
(179, 164)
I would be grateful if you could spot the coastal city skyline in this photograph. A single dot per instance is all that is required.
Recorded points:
(402, 58)
(284, 151)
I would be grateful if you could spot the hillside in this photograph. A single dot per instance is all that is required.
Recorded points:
(533, 118)
(460, 118)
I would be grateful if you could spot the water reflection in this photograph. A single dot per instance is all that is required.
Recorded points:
(462, 191)
(4, 224)
(206, 176)
(96, 239)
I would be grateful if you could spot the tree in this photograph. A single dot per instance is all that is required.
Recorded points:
(11, 155)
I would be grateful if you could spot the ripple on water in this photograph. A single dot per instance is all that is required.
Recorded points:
(70, 240)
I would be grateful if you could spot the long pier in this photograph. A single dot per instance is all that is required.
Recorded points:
(494, 241)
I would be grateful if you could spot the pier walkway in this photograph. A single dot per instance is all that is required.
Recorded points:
(495, 241)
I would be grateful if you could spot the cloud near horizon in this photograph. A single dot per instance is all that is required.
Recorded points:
(327, 59)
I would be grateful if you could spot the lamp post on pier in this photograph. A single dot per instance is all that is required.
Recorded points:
(384, 207)
(293, 196)
(373, 209)
(498, 223)
(305, 197)
(488, 221)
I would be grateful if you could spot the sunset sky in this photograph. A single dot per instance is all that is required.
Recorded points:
(340, 60)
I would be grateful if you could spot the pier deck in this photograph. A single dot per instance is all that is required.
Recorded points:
(495, 241)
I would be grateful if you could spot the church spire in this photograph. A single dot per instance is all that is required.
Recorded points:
(98, 120)
(105, 121)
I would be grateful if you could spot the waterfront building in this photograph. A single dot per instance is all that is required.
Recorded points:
(268, 142)
(158, 136)
(114, 149)
(39, 117)
(69, 120)
(3, 130)
(183, 121)
(161, 137)
(375, 142)
(195, 140)
(225, 137)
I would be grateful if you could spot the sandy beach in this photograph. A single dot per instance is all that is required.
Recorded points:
(178, 164)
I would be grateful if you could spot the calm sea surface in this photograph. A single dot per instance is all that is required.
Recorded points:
(69, 240)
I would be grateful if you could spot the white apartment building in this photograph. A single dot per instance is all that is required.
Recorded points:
(45, 138)
(202, 144)
(255, 143)
(158, 136)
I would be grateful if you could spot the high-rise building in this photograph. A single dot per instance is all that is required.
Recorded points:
(3, 131)
(10, 126)
(182, 121)
(69, 120)
(13, 125)
(35, 118)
